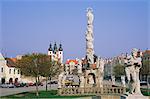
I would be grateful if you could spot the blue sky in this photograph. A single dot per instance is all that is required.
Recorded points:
(30, 26)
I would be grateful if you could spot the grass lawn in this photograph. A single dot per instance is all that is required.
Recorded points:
(145, 92)
(53, 94)
(42, 94)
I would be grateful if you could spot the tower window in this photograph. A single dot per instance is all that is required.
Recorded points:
(50, 52)
(2, 69)
(60, 52)
(9, 71)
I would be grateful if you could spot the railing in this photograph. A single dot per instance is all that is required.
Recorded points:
(91, 91)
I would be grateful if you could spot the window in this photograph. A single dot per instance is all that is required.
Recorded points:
(9, 71)
(2, 69)
(60, 52)
(14, 71)
(18, 71)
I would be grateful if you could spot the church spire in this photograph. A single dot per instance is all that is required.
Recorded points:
(60, 47)
(50, 47)
(55, 47)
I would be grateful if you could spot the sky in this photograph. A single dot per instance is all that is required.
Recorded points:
(29, 26)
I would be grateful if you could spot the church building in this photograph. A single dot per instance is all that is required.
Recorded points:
(56, 53)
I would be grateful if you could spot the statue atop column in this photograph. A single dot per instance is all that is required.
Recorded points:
(89, 37)
(90, 15)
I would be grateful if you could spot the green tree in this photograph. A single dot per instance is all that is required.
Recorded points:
(145, 69)
(118, 70)
(49, 69)
(31, 64)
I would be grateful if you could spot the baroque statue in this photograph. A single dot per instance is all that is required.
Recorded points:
(132, 66)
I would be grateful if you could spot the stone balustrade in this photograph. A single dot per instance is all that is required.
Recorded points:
(91, 91)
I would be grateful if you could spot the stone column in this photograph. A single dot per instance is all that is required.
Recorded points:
(89, 37)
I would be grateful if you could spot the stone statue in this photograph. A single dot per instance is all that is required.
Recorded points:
(90, 16)
(60, 79)
(90, 79)
(101, 70)
(82, 81)
(123, 81)
(66, 69)
(63, 79)
(113, 80)
(132, 66)
(79, 66)
(137, 69)
(102, 63)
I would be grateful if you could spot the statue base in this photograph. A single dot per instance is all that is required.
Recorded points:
(133, 96)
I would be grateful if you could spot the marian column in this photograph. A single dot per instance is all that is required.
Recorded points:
(89, 37)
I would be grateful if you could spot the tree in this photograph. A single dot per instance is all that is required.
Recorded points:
(118, 70)
(31, 65)
(49, 69)
(145, 69)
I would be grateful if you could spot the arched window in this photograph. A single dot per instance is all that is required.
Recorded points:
(14, 71)
(18, 71)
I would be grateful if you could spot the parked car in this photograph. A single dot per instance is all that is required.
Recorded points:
(143, 83)
(23, 84)
(17, 85)
(29, 84)
(53, 82)
(20, 84)
(39, 84)
(7, 85)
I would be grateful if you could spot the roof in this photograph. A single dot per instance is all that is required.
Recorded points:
(11, 62)
(68, 61)
(146, 52)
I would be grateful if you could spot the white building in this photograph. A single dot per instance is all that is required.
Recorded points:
(2, 68)
(8, 72)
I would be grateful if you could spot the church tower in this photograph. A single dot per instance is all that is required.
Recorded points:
(55, 53)
(60, 51)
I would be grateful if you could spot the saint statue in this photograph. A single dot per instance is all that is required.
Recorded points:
(132, 66)
(90, 16)
(60, 79)
(79, 66)
(91, 79)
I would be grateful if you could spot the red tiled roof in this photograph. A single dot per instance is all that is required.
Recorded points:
(76, 62)
(11, 62)
(146, 52)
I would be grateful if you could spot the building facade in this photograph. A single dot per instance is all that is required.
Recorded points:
(55, 53)
(9, 73)
(145, 70)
